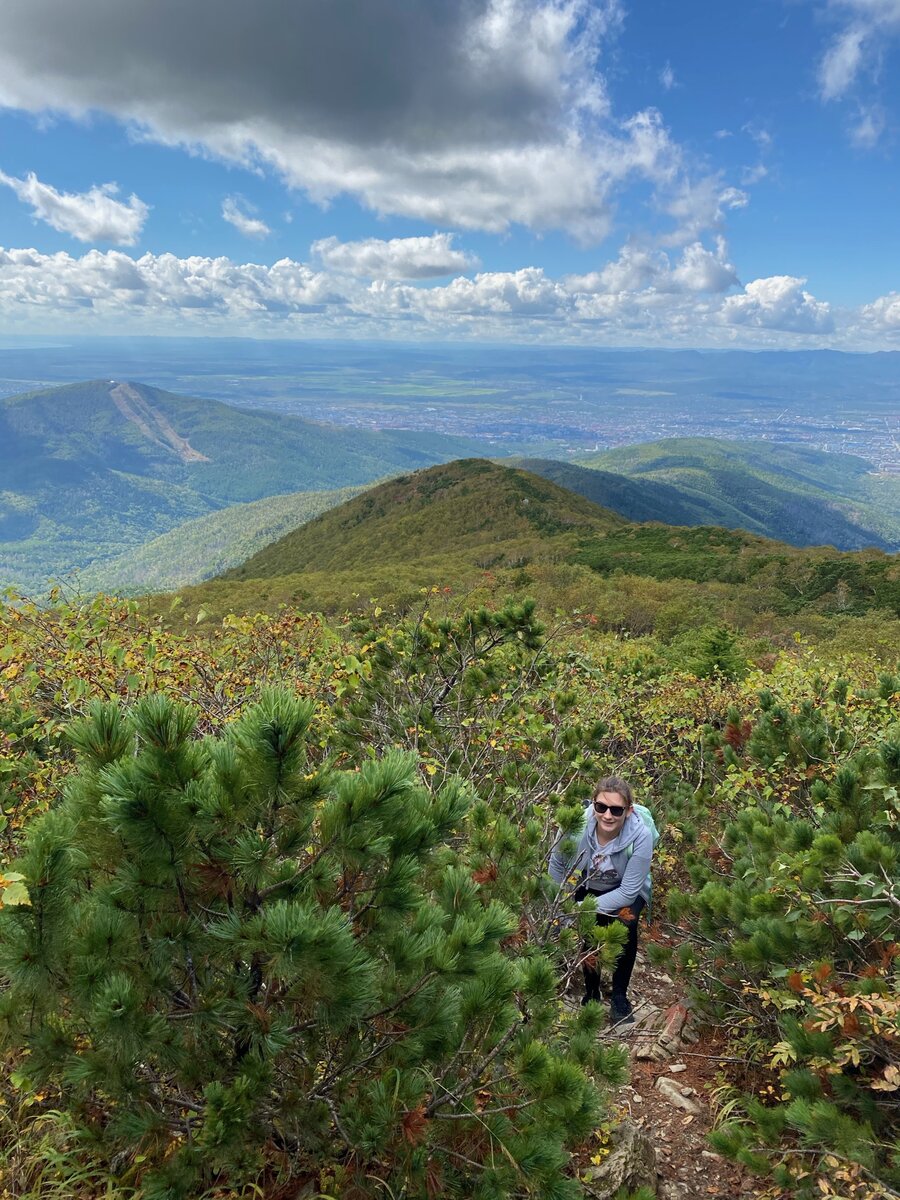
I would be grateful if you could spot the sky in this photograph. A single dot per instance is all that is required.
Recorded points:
(597, 172)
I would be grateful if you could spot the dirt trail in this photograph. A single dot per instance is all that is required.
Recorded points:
(152, 423)
(675, 1063)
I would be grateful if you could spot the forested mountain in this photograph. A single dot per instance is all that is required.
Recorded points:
(469, 507)
(459, 523)
(206, 546)
(793, 493)
(92, 469)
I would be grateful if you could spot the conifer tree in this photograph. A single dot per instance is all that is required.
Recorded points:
(235, 956)
(798, 933)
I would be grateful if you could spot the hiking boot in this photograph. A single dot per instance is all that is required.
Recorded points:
(620, 1011)
(590, 998)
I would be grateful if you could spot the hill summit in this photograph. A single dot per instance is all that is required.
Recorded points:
(471, 508)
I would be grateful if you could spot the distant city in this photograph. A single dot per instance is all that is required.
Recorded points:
(553, 401)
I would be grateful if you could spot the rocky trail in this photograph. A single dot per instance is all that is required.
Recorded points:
(665, 1111)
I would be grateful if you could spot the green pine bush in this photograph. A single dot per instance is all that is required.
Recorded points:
(239, 962)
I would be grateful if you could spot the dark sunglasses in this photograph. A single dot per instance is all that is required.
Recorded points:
(614, 810)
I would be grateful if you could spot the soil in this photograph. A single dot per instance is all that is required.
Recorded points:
(688, 1168)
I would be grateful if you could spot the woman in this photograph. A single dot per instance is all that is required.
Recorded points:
(613, 856)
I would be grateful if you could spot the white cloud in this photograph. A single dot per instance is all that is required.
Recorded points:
(703, 270)
(868, 127)
(638, 269)
(841, 62)
(92, 216)
(667, 77)
(855, 52)
(235, 212)
(883, 314)
(477, 115)
(779, 302)
(113, 285)
(643, 297)
(399, 258)
(527, 291)
(701, 204)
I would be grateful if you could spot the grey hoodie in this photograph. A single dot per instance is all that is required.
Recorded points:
(609, 869)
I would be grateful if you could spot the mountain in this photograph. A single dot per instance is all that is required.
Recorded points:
(473, 523)
(470, 508)
(93, 469)
(208, 545)
(794, 494)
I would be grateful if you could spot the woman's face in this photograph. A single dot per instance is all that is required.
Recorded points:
(610, 821)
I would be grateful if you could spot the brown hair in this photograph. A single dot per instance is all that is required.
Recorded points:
(612, 783)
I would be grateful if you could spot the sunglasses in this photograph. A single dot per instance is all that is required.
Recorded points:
(614, 810)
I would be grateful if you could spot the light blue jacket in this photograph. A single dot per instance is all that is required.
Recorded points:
(621, 876)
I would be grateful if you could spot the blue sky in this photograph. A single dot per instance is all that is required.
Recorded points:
(588, 171)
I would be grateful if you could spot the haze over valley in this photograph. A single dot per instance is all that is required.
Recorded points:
(560, 401)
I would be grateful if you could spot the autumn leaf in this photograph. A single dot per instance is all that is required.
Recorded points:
(414, 1124)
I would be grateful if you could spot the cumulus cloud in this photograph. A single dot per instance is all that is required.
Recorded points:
(779, 302)
(883, 314)
(644, 296)
(639, 269)
(92, 216)
(113, 284)
(475, 115)
(701, 204)
(235, 212)
(399, 258)
(527, 291)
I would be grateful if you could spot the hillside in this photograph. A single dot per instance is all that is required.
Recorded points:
(472, 524)
(94, 469)
(792, 493)
(206, 546)
(470, 508)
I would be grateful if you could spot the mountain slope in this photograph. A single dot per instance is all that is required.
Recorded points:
(206, 546)
(470, 507)
(473, 524)
(90, 470)
(792, 493)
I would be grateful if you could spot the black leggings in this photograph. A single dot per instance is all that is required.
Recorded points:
(625, 962)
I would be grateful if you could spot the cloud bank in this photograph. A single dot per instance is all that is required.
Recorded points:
(361, 289)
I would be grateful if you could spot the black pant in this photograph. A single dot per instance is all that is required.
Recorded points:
(625, 962)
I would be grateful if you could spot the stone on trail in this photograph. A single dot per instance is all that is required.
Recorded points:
(631, 1165)
(676, 1095)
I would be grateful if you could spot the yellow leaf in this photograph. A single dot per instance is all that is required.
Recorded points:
(15, 894)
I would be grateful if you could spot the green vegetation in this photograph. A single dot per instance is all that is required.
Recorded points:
(209, 545)
(296, 938)
(790, 493)
(94, 469)
(186, 881)
(486, 529)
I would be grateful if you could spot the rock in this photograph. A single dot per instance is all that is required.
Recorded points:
(676, 1068)
(631, 1165)
(675, 1095)
(671, 1189)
